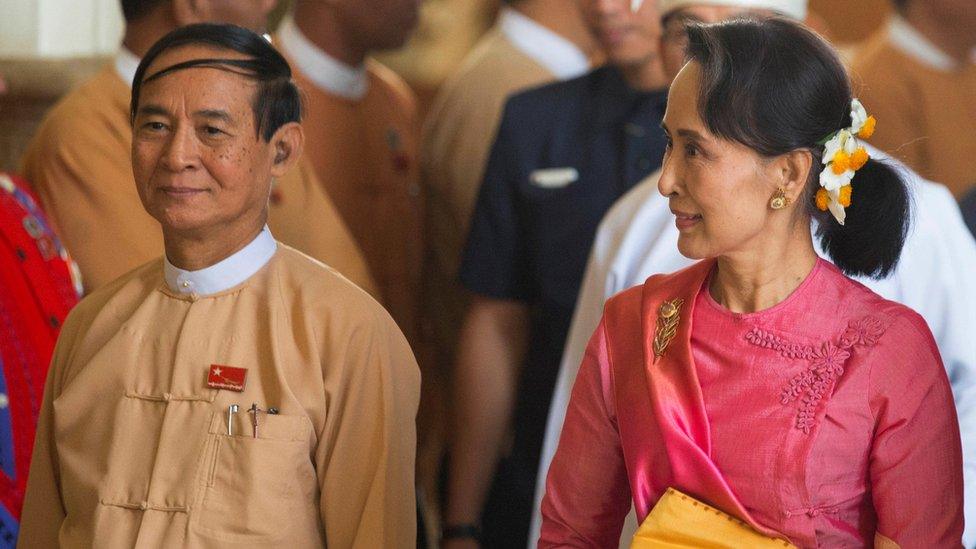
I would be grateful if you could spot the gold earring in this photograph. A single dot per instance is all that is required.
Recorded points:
(779, 200)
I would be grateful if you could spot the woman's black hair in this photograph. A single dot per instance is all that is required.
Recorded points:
(277, 101)
(775, 86)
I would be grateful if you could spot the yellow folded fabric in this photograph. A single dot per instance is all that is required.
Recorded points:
(680, 521)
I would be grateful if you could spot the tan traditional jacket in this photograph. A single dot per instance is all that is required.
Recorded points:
(133, 447)
(926, 113)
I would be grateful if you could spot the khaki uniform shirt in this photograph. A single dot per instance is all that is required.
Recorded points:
(926, 115)
(460, 130)
(132, 446)
(79, 163)
(364, 152)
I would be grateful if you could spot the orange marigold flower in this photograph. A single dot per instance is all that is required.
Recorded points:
(845, 196)
(841, 162)
(859, 158)
(867, 130)
(822, 199)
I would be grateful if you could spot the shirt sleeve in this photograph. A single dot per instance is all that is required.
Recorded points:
(916, 459)
(587, 492)
(366, 452)
(493, 263)
(44, 511)
(936, 280)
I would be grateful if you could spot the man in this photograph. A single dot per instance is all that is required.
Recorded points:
(79, 162)
(234, 392)
(36, 293)
(563, 154)
(638, 238)
(533, 42)
(917, 74)
(362, 134)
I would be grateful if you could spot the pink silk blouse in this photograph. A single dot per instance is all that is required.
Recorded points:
(823, 420)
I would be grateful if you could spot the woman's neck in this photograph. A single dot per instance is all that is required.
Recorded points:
(755, 280)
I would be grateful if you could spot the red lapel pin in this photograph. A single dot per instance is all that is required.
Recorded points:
(226, 377)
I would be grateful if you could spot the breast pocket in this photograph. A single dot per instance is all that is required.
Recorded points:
(258, 487)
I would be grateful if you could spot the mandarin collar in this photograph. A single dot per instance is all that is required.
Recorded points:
(324, 71)
(911, 42)
(225, 274)
(560, 56)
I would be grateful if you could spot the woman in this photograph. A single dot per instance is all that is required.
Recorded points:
(760, 397)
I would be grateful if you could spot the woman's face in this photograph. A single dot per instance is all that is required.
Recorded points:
(719, 190)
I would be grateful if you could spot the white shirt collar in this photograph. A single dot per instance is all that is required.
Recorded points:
(562, 57)
(126, 64)
(225, 274)
(911, 42)
(326, 72)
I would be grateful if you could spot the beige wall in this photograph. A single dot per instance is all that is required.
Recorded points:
(59, 28)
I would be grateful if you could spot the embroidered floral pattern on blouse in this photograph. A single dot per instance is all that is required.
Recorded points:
(826, 364)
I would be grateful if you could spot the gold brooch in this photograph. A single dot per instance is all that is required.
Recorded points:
(667, 325)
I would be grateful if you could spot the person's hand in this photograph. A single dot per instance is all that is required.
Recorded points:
(460, 543)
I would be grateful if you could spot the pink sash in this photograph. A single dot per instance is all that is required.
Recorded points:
(675, 394)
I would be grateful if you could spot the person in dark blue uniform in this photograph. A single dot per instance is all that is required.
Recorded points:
(564, 153)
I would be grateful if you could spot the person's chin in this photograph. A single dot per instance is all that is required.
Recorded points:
(688, 247)
(180, 221)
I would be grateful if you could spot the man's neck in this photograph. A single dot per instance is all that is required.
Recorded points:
(955, 42)
(563, 18)
(647, 75)
(195, 251)
(318, 22)
(141, 34)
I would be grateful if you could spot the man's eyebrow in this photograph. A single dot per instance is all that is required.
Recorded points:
(215, 114)
(152, 110)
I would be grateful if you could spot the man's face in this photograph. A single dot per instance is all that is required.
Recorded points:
(627, 38)
(250, 14)
(199, 165)
(674, 41)
(378, 24)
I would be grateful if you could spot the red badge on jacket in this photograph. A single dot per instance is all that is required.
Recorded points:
(226, 377)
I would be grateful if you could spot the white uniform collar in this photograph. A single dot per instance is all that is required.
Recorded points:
(912, 43)
(227, 273)
(126, 64)
(562, 57)
(326, 72)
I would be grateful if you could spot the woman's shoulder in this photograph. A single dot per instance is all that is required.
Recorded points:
(891, 330)
(853, 299)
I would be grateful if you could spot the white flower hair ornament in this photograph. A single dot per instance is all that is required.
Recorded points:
(842, 157)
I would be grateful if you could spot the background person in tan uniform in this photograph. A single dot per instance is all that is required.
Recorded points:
(78, 162)
(917, 75)
(139, 443)
(532, 43)
(362, 133)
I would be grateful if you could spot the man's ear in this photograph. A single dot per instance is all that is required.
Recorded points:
(288, 143)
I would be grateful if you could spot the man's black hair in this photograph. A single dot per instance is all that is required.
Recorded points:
(133, 10)
(277, 100)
